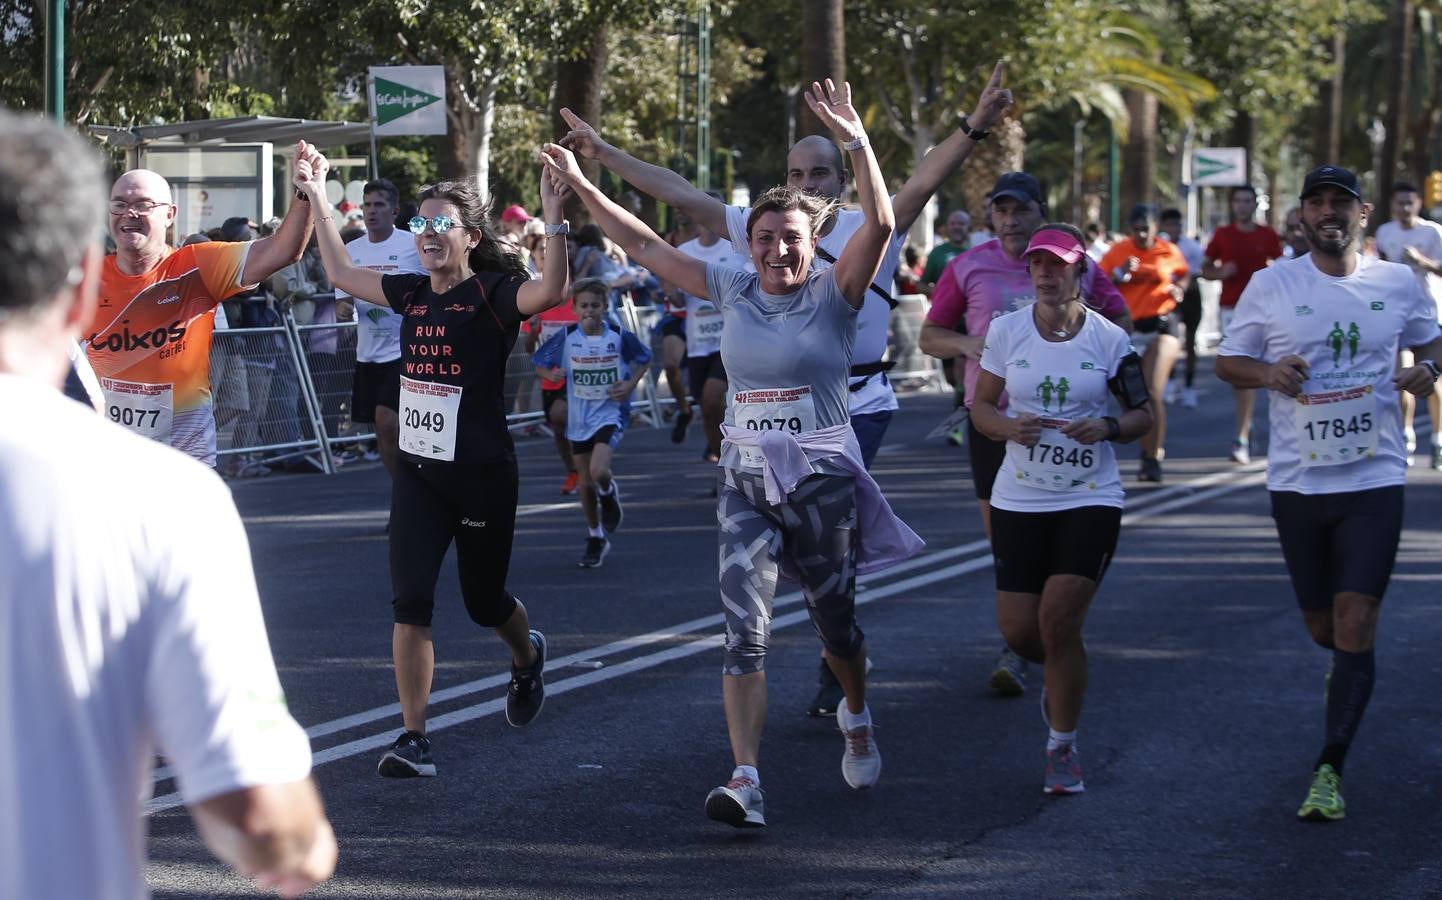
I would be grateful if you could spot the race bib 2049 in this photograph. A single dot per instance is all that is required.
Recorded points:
(429, 419)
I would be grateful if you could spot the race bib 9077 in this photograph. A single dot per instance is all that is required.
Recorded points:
(146, 409)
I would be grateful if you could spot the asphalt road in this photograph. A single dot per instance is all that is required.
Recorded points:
(1203, 715)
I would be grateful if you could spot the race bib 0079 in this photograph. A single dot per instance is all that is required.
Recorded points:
(772, 409)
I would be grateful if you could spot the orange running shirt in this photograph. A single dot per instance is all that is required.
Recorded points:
(150, 343)
(1148, 293)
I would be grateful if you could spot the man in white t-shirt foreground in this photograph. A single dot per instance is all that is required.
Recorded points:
(1416, 242)
(1322, 333)
(384, 248)
(128, 630)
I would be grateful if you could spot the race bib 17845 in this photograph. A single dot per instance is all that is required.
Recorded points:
(1335, 428)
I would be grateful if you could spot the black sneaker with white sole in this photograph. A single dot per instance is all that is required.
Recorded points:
(408, 757)
(527, 693)
(828, 694)
(596, 550)
(611, 514)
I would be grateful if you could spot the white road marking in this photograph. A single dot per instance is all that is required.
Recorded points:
(1180, 497)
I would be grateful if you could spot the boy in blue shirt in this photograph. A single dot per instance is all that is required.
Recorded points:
(601, 367)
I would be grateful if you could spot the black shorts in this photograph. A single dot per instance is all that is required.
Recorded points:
(607, 435)
(673, 327)
(1163, 324)
(1191, 307)
(1336, 543)
(1029, 548)
(986, 457)
(375, 384)
(549, 397)
(701, 368)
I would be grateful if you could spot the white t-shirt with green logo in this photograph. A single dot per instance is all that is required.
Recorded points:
(378, 328)
(1058, 381)
(1346, 435)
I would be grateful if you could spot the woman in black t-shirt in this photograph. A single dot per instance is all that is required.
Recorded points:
(456, 480)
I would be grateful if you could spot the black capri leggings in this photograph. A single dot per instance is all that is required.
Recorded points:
(473, 505)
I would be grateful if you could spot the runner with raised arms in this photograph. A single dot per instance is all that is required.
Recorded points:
(795, 493)
(457, 479)
(1056, 506)
(1322, 332)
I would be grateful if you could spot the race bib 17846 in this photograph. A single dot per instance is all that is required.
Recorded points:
(1055, 462)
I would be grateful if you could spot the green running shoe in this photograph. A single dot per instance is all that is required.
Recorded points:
(1324, 798)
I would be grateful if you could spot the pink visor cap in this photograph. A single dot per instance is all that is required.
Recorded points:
(1058, 243)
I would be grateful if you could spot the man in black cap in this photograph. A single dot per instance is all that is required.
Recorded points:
(1322, 333)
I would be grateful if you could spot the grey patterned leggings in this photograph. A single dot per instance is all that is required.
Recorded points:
(812, 534)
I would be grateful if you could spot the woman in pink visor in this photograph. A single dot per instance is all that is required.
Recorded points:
(1057, 501)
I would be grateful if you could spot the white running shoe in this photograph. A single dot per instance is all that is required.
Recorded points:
(861, 763)
(1241, 454)
(1189, 398)
(1169, 396)
(738, 803)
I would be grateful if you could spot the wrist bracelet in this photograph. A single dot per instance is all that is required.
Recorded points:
(858, 144)
(559, 228)
(966, 129)
(1114, 428)
(1432, 367)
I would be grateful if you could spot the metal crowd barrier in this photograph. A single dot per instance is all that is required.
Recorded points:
(285, 391)
(914, 369)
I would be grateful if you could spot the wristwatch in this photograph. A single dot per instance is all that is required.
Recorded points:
(970, 132)
(1431, 367)
(302, 196)
(1114, 428)
(559, 228)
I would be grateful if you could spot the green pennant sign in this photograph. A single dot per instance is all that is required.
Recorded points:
(395, 100)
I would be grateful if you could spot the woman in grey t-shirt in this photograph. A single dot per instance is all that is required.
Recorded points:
(786, 345)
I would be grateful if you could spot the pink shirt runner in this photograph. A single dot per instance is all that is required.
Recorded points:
(984, 283)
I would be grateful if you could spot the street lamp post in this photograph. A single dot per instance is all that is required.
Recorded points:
(55, 59)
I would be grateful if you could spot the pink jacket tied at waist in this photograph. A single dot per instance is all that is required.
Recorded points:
(883, 540)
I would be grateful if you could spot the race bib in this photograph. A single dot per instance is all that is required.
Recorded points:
(593, 376)
(429, 416)
(1335, 428)
(773, 409)
(703, 329)
(1056, 462)
(146, 409)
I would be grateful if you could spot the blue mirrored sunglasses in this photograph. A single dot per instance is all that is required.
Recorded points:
(439, 224)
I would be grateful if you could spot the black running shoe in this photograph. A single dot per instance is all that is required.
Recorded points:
(527, 693)
(408, 757)
(1151, 470)
(828, 694)
(596, 550)
(679, 426)
(611, 514)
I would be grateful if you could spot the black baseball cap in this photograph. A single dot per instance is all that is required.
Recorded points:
(1018, 186)
(1335, 176)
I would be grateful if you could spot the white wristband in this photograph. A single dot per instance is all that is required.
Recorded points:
(857, 144)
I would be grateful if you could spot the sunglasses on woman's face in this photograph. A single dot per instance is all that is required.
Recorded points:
(439, 224)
